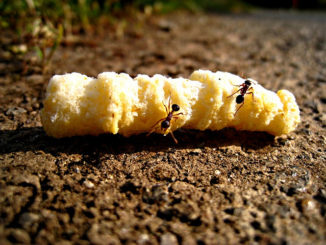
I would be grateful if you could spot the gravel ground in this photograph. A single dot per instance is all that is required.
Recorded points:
(224, 187)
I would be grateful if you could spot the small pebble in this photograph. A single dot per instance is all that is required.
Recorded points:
(217, 172)
(77, 170)
(26, 220)
(168, 239)
(307, 205)
(88, 184)
(19, 236)
(143, 239)
(14, 111)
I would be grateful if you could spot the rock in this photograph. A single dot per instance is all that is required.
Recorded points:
(168, 239)
(19, 236)
(164, 172)
(217, 172)
(15, 111)
(155, 195)
(89, 184)
(143, 239)
(306, 205)
(29, 179)
(28, 220)
(183, 187)
(294, 180)
(99, 234)
(189, 240)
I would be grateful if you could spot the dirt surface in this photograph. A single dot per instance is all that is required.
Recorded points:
(225, 187)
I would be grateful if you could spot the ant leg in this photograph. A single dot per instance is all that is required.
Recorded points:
(234, 93)
(169, 103)
(180, 113)
(175, 140)
(176, 115)
(154, 126)
(239, 108)
(252, 94)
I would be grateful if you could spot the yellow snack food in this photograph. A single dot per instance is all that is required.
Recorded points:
(116, 103)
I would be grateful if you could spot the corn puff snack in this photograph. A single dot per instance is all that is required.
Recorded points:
(116, 103)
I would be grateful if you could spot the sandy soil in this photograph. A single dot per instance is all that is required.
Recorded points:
(225, 187)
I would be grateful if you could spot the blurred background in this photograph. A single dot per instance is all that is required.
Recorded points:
(67, 12)
(41, 26)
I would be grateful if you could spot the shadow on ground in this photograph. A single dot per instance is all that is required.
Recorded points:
(35, 139)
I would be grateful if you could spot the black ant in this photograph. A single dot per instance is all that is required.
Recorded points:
(244, 88)
(166, 122)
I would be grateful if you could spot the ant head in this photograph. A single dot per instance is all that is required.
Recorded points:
(165, 124)
(247, 82)
(175, 107)
(239, 99)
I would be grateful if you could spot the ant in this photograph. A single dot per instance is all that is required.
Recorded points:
(166, 122)
(244, 88)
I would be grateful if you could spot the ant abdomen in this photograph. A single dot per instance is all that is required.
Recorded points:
(239, 99)
(165, 124)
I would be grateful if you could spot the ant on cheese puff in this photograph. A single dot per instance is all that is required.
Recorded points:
(244, 89)
(166, 122)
